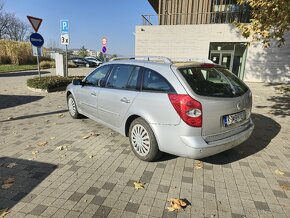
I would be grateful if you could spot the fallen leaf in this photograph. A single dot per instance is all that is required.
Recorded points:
(61, 115)
(10, 118)
(138, 185)
(285, 187)
(198, 164)
(176, 204)
(62, 147)
(8, 183)
(34, 152)
(11, 165)
(3, 212)
(41, 144)
(279, 172)
(90, 134)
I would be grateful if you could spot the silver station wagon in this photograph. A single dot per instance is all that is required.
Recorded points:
(192, 109)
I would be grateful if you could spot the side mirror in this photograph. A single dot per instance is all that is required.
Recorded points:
(77, 82)
(101, 83)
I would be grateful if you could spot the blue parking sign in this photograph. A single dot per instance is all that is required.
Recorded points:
(64, 27)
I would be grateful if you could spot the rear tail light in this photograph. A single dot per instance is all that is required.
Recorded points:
(189, 109)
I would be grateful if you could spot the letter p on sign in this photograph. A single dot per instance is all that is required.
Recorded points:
(64, 27)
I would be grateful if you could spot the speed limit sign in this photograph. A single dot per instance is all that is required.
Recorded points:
(64, 39)
(104, 41)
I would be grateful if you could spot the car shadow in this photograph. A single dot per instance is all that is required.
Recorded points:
(265, 130)
(18, 178)
(23, 73)
(8, 101)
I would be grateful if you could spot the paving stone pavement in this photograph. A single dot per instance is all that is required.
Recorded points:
(94, 177)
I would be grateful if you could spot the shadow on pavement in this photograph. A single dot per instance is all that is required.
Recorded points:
(265, 130)
(18, 178)
(281, 101)
(23, 73)
(34, 115)
(7, 101)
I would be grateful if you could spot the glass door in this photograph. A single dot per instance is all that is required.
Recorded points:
(224, 58)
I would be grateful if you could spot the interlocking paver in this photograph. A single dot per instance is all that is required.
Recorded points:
(95, 176)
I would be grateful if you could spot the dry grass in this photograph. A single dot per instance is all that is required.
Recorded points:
(12, 52)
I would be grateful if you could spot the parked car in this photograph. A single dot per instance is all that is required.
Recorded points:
(82, 62)
(189, 109)
(95, 60)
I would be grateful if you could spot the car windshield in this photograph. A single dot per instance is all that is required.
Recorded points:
(213, 81)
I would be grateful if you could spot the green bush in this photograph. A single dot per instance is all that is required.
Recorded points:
(51, 83)
(47, 64)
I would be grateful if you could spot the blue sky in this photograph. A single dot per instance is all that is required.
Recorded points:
(90, 20)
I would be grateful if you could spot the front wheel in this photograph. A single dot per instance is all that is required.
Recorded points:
(72, 107)
(143, 141)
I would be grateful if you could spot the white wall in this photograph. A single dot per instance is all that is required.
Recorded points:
(185, 41)
(268, 65)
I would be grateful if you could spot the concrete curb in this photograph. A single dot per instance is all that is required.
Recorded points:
(47, 90)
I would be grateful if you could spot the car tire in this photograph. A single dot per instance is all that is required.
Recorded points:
(72, 107)
(143, 141)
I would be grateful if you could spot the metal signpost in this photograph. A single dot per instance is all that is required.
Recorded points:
(104, 47)
(64, 40)
(35, 38)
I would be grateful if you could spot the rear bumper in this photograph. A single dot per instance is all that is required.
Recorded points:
(196, 147)
(216, 147)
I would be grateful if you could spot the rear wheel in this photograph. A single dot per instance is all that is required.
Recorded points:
(143, 141)
(72, 107)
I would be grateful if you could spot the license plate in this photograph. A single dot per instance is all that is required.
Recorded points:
(234, 118)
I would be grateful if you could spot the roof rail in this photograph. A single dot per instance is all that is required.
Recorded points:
(201, 60)
(146, 58)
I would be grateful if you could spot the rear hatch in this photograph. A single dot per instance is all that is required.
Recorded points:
(226, 100)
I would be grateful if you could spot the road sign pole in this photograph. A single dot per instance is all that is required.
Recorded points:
(66, 64)
(38, 66)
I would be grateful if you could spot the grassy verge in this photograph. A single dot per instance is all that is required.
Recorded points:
(13, 68)
(51, 83)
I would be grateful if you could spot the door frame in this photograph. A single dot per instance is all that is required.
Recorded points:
(221, 52)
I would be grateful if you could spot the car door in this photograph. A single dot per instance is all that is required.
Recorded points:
(87, 94)
(121, 90)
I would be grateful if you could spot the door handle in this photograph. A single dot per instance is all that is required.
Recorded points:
(125, 100)
(94, 94)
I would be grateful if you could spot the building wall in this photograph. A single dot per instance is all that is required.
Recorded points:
(185, 41)
(268, 65)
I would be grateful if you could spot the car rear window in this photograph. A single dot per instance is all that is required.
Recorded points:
(213, 81)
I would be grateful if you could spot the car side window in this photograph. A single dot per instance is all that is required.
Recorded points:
(120, 76)
(153, 81)
(97, 75)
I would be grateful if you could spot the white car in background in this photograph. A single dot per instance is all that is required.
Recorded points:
(95, 60)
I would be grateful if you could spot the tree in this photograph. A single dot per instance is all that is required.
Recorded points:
(270, 21)
(83, 52)
(17, 30)
(101, 56)
(12, 27)
(3, 21)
